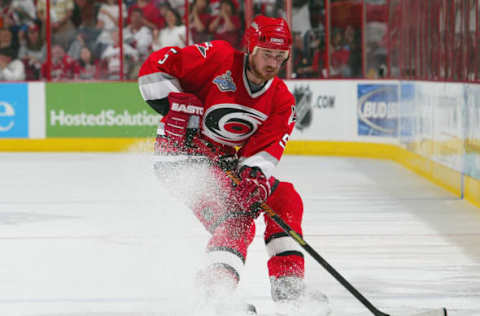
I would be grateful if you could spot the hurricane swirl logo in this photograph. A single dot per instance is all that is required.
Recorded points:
(231, 124)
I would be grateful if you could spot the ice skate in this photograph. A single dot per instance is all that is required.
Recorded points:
(293, 298)
(217, 286)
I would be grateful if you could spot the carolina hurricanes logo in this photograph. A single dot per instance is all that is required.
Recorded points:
(231, 124)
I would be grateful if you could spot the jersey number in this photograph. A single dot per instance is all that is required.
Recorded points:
(164, 59)
(283, 141)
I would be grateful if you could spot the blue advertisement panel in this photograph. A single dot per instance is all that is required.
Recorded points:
(377, 109)
(407, 112)
(14, 110)
(472, 121)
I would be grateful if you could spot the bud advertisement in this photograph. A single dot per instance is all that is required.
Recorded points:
(109, 109)
(13, 110)
(377, 109)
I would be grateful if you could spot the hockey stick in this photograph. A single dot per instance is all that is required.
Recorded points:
(359, 296)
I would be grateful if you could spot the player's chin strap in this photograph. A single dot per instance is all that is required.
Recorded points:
(292, 233)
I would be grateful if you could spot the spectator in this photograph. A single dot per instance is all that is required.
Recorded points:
(162, 7)
(85, 17)
(129, 3)
(63, 66)
(24, 12)
(4, 11)
(111, 58)
(317, 13)
(173, 34)
(160, 4)
(349, 37)
(313, 39)
(11, 68)
(227, 25)
(84, 39)
(340, 55)
(85, 14)
(32, 52)
(63, 29)
(315, 51)
(301, 62)
(137, 35)
(301, 17)
(199, 21)
(7, 42)
(353, 44)
(179, 6)
(13, 29)
(5, 38)
(216, 4)
(319, 61)
(107, 21)
(87, 69)
(152, 17)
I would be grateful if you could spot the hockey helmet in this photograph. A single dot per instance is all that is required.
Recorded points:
(267, 32)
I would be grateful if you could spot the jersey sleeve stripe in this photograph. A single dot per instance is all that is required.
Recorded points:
(231, 259)
(277, 246)
(158, 85)
(262, 160)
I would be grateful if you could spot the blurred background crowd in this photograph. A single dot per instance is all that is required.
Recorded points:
(331, 38)
(85, 35)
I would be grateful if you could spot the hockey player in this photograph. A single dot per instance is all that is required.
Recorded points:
(245, 115)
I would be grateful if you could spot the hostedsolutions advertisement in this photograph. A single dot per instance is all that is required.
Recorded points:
(108, 109)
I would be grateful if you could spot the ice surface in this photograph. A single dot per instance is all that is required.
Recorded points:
(97, 235)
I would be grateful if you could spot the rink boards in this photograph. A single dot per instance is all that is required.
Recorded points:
(432, 128)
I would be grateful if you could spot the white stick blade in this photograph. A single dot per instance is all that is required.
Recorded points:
(433, 312)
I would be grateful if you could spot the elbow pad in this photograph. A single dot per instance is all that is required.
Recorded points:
(160, 106)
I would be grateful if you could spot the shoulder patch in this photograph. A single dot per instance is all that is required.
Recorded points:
(203, 48)
(225, 82)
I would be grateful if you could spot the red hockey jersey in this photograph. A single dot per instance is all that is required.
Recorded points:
(259, 123)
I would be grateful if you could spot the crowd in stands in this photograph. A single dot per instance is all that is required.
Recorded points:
(85, 41)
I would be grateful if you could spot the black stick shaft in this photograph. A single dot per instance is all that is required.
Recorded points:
(280, 222)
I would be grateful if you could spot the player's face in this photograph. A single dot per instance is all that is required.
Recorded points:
(266, 63)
